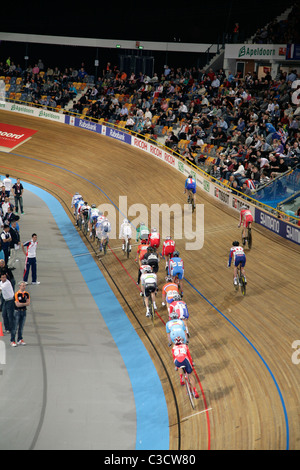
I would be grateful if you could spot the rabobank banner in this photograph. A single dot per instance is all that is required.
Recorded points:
(88, 125)
(278, 226)
(116, 134)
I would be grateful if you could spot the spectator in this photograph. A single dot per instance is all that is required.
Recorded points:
(30, 262)
(18, 196)
(22, 301)
(7, 293)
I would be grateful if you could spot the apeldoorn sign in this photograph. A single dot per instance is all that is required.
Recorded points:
(13, 136)
(255, 51)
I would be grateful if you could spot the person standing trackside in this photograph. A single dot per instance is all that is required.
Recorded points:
(6, 241)
(8, 303)
(8, 185)
(30, 261)
(18, 195)
(22, 301)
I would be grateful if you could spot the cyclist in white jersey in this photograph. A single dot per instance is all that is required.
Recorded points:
(93, 215)
(105, 229)
(149, 287)
(126, 232)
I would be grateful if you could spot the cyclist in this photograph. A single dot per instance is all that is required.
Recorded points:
(141, 251)
(176, 268)
(174, 328)
(83, 212)
(152, 258)
(105, 229)
(93, 215)
(190, 187)
(237, 254)
(168, 250)
(182, 357)
(154, 239)
(126, 232)
(246, 219)
(99, 221)
(142, 232)
(74, 201)
(77, 206)
(168, 291)
(149, 287)
(179, 308)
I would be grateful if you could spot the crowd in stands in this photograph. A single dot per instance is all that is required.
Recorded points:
(49, 87)
(281, 32)
(248, 126)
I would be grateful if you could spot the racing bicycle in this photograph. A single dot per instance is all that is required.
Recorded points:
(241, 281)
(188, 386)
(248, 238)
(191, 199)
(151, 307)
(127, 247)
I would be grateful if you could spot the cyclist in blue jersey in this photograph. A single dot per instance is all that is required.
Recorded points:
(190, 187)
(175, 328)
(176, 269)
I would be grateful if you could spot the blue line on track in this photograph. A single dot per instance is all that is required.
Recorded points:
(259, 355)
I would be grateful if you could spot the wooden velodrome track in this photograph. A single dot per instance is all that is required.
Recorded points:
(241, 346)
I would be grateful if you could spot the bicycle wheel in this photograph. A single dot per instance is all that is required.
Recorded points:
(127, 248)
(249, 238)
(243, 284)
(193, 203)
(189, 389)
(151, 308)
(85, 227)
(104, 246)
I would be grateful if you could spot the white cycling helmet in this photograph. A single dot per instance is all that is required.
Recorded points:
(147, 269)
(125, 221)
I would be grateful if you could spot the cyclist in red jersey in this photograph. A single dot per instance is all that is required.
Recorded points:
(246, 218)
(182, 357)
(141, 251)
(154, 239)
(168, 250)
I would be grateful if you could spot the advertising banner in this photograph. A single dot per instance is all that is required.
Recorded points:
(277, 226)
(13, 136)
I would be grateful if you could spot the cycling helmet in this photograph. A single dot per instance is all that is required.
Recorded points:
(125, 221)
(190, 176)
(168, 278)
(150, 249)
(243, 208)
(173, 315)
(154, 229)
(176, 254)
(147, 269)
(178, 340)
(93, 206)
(177, 297)
(100, 213)
(235, 243)
(144, 241)
(144, 262)
(168, 238)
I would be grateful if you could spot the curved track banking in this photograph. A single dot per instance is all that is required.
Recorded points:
(241, 346)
